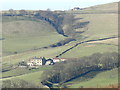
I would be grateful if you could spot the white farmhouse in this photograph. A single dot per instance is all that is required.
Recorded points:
(36, 61)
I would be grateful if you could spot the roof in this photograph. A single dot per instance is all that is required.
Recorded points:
(59, 58)
(56, 58)
(37, 58)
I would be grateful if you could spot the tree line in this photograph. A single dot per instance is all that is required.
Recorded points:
(53, 18)
(72, 68)
(62, 42)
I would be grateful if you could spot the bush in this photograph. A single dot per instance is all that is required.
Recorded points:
(22, 63)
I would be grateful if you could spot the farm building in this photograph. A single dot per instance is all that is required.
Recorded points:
(49, 62)
(39, 61)
(58, 59)
(76, 8)
(36, 61)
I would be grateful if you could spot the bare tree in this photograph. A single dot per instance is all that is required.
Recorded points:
(12, 12)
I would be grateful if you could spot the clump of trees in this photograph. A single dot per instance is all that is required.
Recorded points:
(12, 12)
(54, 19)
(73, 68)
(22, 63)
(62, 42)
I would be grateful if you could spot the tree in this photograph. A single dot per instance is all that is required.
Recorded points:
(22, 12)
(12, 12)
(48, 9)
(23, 63)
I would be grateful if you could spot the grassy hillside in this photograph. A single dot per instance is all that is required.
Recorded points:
(21, 34)
(48, 53)
(100, 25)
(24, 34)
(102, 79)
(105, 7)
(24, 37)
(31, 77)
(102, 8)
(93, 47)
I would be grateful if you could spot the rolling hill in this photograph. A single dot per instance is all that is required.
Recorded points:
(105, 7)
(21, 34)
(101, 25)
(30, 35)
(107, 78)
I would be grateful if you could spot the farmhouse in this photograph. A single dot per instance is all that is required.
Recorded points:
(76, 8)
(36, 61)
(39, 61)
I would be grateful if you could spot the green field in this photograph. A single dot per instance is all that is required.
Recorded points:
(100, 25)
(48, 53)
(33, 75)
(89, 49)
(20, 71)
(102, 79)
(24, 36)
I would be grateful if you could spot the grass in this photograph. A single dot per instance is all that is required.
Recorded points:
(20, 71)
(17, 18)
(100, 80)
(110, 41)
(24, 44)
(15, 72)
(104, 8)
(89, 49)
(26, 34)
(33, 76)
(100, 26)
(79, 51)
(48, 53)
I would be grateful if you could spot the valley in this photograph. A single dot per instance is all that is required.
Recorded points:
(88, 36)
